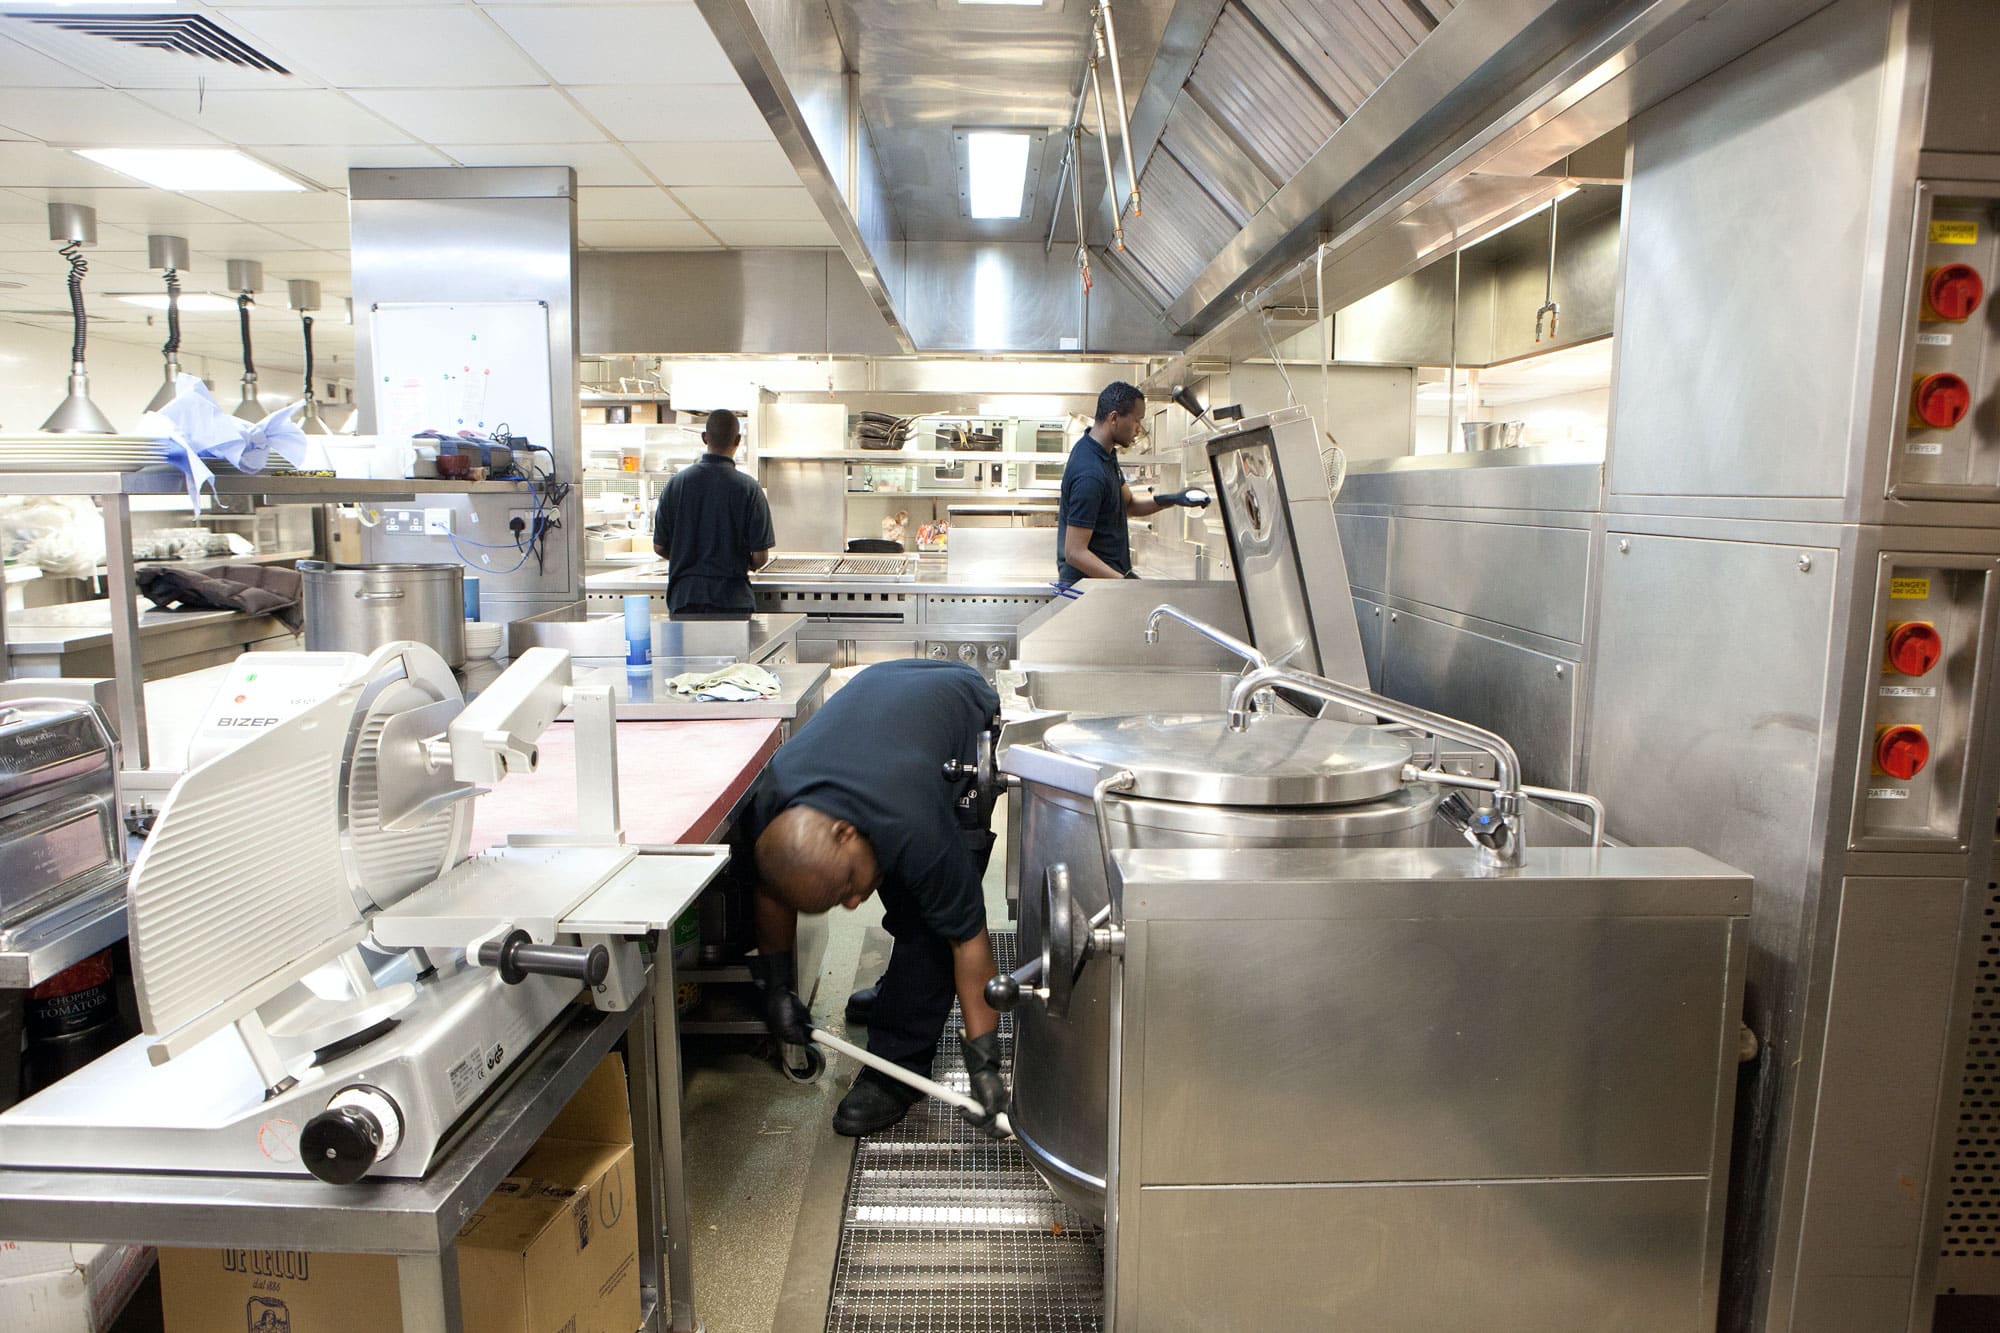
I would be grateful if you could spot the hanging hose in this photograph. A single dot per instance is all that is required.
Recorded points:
(78, 266)
(307, 321)
(172, 348)
(243, 304)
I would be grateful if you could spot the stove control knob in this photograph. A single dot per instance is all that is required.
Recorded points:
(938, 651)
(1952, 292)
(1939, 401)
(968, 652)
(359, 1127)
(1914, 647)
(1902, 751)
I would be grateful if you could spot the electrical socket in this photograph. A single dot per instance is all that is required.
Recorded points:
(437, 522)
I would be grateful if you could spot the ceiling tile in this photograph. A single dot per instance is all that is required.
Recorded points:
(597, 163)
(309, 206)
(673, 113)
(757, 162)
(319, 235)
(626, 204)
(92, 117)
(22, 207)
(307, 116)
(642, 235)
(749, 205)
(585, 44)
(23, 68)
(490, 116)
(354, 47)
(33, 164)
(22, 236)
(328, 166)
(773, 233)
(140, 209)
(240, 240)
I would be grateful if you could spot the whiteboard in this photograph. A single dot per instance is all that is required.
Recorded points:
(463, 366)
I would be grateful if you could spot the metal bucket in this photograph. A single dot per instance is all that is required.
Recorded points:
(1062, 1065)
(1480, 435)
(358, 608)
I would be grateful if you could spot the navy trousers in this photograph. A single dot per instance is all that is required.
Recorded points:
(916, 991)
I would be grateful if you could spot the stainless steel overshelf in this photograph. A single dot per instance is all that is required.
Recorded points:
(1526, 456)
(653, 579)
(601, 635)
(418, 1217)
(284, 488)
(35, 949)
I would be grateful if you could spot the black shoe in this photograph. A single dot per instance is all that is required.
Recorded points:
(870, 1106)
(861, 1004)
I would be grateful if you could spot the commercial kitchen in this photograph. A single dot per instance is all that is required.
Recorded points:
(1515, 851)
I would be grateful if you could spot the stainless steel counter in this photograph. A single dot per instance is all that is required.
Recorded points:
(643, 695)
(75, 638)
(931, 573)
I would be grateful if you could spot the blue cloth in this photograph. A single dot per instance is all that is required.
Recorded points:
(874, 755)
(1093, 496)
(710, 519)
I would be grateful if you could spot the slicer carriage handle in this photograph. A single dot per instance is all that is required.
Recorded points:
(517, 956)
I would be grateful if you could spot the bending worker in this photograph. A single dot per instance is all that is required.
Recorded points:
(857, 803)
(713, 526)
(1094, 541)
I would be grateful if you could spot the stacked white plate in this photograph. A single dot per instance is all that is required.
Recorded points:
(483, 638)
(79, 453)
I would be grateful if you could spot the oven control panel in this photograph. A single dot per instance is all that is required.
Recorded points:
(1929, 646)
(1947, 436)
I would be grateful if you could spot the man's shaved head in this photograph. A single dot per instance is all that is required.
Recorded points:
(812, 862)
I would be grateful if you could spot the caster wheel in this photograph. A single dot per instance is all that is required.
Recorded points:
(802, 1064)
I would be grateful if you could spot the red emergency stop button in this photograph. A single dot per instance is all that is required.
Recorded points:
(1952, 292)
(1940, 401)
(1902, 751)
(1914, 647)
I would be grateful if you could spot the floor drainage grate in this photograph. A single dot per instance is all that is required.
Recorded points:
(945, 1231)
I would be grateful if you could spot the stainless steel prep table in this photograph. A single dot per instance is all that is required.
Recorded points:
(75, 639)
(643, 695)
(418, 1221)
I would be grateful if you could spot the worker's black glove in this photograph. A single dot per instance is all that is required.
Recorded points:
(785, 1013)
(1130, 574)
(982, 1066)
(1187, 499)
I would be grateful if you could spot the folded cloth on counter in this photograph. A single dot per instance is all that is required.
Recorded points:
(259, 590)
(737, 683)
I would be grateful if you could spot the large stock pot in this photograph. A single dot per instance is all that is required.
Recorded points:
(1285, 782)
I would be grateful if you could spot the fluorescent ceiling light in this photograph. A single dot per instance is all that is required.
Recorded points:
(192, 170)
(192, 303)
(997, 166)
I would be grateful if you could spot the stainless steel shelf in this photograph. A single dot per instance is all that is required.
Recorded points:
(891, 457)
(167, 481)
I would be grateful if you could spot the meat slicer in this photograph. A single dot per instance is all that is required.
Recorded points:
(327, 982)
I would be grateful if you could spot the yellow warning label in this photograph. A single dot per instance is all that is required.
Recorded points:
(1944, 232)
(1910, 590)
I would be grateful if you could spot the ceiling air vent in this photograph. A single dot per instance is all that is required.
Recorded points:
(181, 34)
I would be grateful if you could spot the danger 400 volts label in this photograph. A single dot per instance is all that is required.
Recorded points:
(1910, 589)
(1947, 231)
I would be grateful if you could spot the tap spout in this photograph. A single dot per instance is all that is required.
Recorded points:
(1220, 638)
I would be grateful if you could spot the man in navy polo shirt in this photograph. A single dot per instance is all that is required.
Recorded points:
(1092, 540)
(713, 525)
(857, 803)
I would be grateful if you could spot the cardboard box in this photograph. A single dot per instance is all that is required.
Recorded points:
(85, 1295)
(554, 1249)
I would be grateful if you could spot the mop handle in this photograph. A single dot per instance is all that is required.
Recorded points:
(927, 1086)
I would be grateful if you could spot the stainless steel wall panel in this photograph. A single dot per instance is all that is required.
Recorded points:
(1248, 85)
(1586, 287)
(1364, 540)
(757, 302)
(1180, 227)
(1611, 1254)
(1963, 116)
(1529, 577)
(1429, 1073)
(1770, 416)
(1007, 297)
(1862, 1242)
(1207, 153)
(1373, 619)
(1528, 697)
